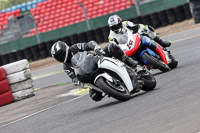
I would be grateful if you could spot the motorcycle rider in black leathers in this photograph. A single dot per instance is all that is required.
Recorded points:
(63, 53)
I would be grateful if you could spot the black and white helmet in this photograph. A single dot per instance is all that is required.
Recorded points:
(115, 23)
(60, 51)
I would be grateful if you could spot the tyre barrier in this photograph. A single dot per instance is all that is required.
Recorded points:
(19, 95)
(163, 18)
(20, 54)
(43, 50)
(90, 35)
(146, 20)
(4, 86)
(49, 44)
(131, 19)
(12, 57)
(137, 20)
(105, 31)
(19, 80)
(21, 85)
(27, 53)
(16, 67)
(171, 15)
(19, 76)
(195, 10)
(179, 12)
(5, 59)
(187, 11)
(2, 74)
(82, 37)
(6, 98)
(155, 20)
(1, 63)
(99, 35)
(66, 40)
(35, 52)
(74, 38)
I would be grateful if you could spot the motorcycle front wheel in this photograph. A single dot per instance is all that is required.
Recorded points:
(155, 63)
(174, 63)
(119, 92)
(149, 81)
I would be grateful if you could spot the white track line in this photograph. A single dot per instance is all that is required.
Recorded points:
(40, 111)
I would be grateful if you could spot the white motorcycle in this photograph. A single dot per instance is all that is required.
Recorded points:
(111, 76)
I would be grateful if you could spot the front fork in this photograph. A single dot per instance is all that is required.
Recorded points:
(135, 75)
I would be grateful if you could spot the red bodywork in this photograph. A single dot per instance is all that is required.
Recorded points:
(137, 44)
(132, 51)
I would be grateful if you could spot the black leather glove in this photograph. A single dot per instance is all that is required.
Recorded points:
(134, 28)
(76, 81)
(98, 50)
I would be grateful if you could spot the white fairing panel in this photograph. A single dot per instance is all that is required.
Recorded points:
(117, 67)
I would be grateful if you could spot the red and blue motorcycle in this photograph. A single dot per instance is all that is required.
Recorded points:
(154, 58)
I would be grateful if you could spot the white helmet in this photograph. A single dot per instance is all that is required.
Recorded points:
(115, 23)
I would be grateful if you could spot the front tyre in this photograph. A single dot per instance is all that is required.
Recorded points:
(173, 63)
(155, 63)
(149, 81)
(118, 92)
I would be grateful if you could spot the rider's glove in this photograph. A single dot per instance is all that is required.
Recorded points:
(142, 31)
(134, 28)
(98, 50)
(76, 81)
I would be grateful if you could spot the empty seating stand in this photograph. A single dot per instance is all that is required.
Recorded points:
(5, 16)
(53, 14)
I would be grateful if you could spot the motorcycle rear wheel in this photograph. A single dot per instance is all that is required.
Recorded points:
(155, 63)
(106, 87)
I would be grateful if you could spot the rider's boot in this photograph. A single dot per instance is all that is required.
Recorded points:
(154, 45)
(162, 42)
(130, 62)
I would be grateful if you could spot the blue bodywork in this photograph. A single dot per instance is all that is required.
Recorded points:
(146, 50)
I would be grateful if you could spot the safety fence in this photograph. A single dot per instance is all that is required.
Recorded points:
(42, 50)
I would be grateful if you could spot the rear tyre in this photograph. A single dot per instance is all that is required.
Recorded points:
(107, 87)
(174, 63)
(155, 63)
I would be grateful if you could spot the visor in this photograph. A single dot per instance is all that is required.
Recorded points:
(116, 27)
(60, 56)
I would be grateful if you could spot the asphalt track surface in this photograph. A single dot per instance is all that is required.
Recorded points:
(173, 107)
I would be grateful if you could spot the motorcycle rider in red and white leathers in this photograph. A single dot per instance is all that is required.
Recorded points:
(64, 53)
(118, 32)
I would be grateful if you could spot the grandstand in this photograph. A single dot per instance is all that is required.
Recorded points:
(54, 14)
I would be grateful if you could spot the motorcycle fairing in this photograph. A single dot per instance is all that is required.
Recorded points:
(131, 48)
(161, 53)
(146, 50)
(118, 68)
